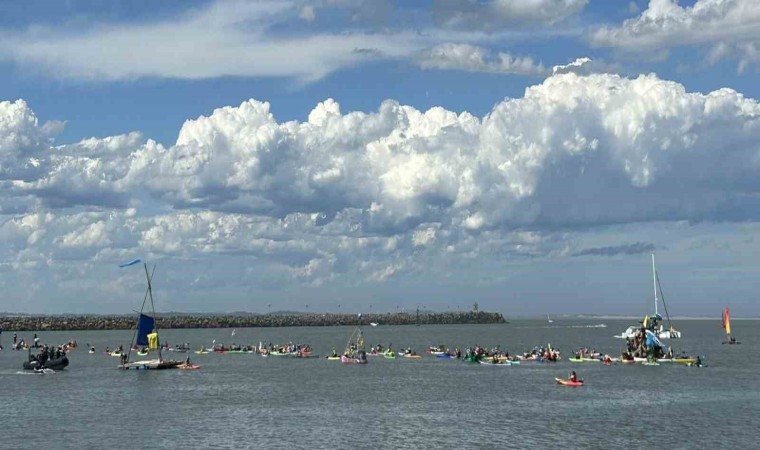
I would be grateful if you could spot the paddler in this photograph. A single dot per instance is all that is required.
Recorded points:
(573, 377)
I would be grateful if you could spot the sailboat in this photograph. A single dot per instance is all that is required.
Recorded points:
(355, 353)
(670, 333)
(726, 324)
(146, 334)
(652, 322)
(549, 319)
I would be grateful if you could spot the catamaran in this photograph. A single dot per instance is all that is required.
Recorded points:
(659, 330)
(146, 334)
(726, 324)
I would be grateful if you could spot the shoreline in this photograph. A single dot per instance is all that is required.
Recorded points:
(176, 321)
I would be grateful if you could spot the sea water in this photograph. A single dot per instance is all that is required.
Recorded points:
(247, 401)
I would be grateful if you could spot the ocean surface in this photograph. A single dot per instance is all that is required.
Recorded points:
(247, 401)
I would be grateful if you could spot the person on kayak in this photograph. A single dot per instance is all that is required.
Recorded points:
(573, 377)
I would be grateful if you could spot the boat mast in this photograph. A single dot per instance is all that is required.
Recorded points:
(654, 282)
(664, 305)
(153, 306)
(145, 298)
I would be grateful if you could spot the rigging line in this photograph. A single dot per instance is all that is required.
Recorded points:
(662, 296)
(129, 352)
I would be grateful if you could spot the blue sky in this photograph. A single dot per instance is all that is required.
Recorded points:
(380, 155)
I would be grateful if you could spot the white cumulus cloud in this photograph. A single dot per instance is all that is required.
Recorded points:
(368, 195)
(729, 27)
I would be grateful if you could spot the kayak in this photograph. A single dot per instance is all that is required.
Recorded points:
(685, 360)
(389, 356)
(188, 367)
(142, 353)
(489, 363)
(568, 382)
(413, 356)
(445, 356)
(201, 352)
(332, 358)
(583, 359)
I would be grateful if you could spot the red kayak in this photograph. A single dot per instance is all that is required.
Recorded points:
(569, 383)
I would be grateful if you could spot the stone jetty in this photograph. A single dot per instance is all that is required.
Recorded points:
(173, 320)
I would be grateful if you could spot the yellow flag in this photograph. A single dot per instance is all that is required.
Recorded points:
(153, 341)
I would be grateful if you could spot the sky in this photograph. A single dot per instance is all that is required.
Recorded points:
(379, 156)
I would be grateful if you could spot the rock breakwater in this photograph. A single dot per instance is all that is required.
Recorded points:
(169, 320)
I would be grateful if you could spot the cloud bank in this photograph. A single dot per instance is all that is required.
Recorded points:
(636, 248)
(368, 193)
(729, 27)
(495, 14)
(234, 38)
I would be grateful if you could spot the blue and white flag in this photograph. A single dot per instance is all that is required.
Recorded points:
(131, 263)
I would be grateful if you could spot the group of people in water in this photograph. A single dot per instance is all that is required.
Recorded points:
(645, 344)
(47, 353)
(289, 348)
(22, 344)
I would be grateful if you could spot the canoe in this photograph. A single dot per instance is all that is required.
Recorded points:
(568, 382)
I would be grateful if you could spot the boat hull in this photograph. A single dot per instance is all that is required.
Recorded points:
(152, 364)
(54, 364)
(504, 363)
(349, 360)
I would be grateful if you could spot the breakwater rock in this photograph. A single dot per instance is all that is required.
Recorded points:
(122, 322)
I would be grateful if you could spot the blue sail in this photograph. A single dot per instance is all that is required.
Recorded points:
(145, 326)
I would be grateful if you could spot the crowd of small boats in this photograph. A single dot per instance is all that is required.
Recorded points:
(643, 345)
